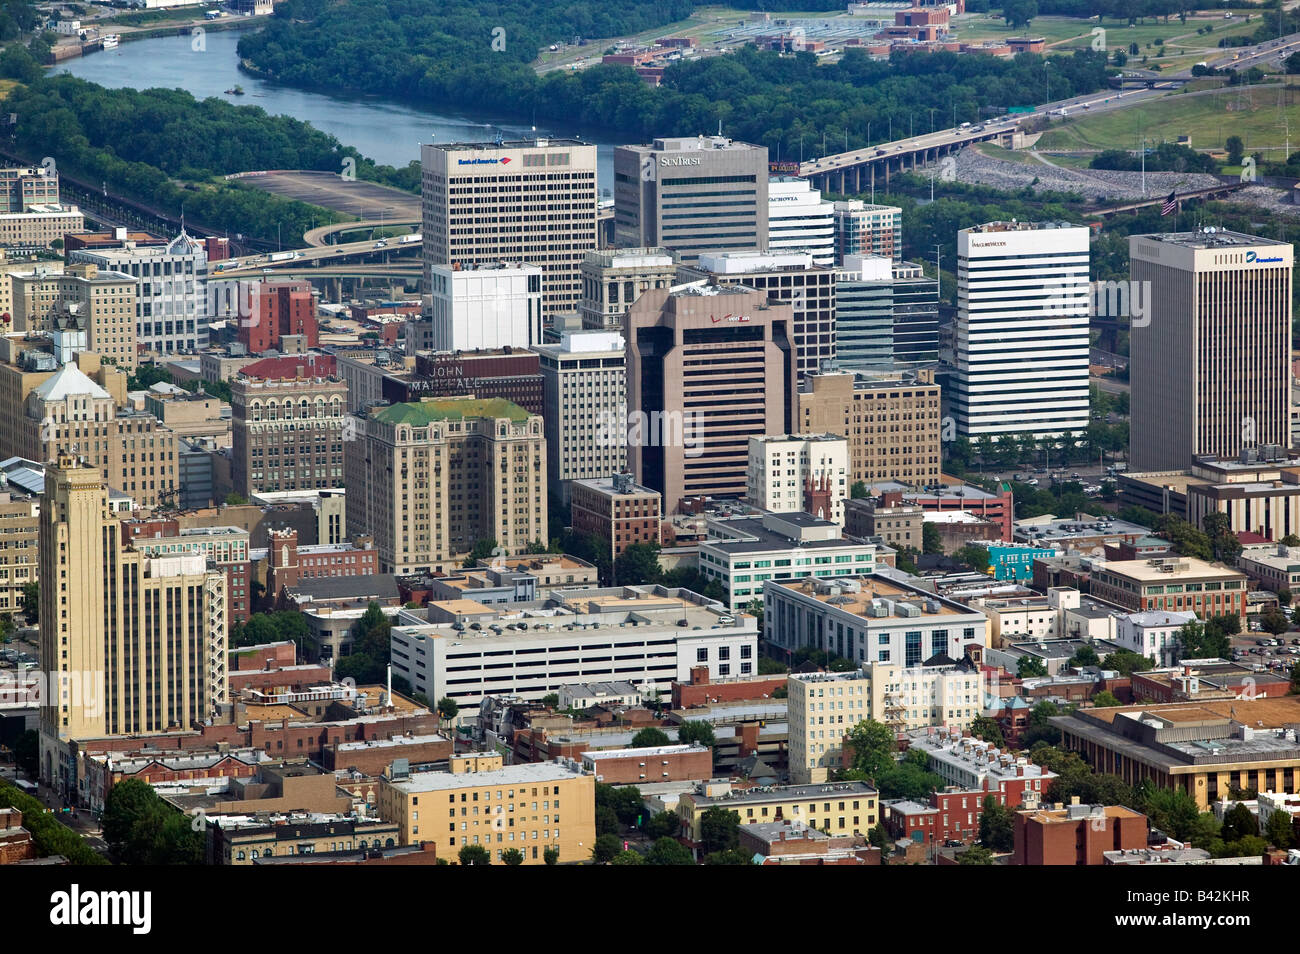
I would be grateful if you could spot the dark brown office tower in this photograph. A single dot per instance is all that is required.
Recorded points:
(708, 367)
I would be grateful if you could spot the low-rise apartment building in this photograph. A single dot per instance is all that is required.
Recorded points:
(825, 706)
(649, 765)
(838, 808)
(529, 807)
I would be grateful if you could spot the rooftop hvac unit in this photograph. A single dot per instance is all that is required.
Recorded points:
(907, 609)
(878, 609)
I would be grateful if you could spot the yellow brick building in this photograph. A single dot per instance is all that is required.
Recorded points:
(530, 807)
(837, 808)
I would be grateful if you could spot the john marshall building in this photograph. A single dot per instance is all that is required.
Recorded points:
(510, 373)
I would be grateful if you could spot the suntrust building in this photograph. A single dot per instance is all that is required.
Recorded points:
(698, 195)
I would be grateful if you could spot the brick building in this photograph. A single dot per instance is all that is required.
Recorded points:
(617, 509)
(287, 427)
(270, 310)
(701, 691)
(1077, 834)
(288, 563)
(508, 373)
(644, 766)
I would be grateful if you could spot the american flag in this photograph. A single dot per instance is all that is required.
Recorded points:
(1171, 203)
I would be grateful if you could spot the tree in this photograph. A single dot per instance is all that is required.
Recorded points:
(512, 856)
(997, 826)
(27, 752)
(1197, 640)
(606, 847)
(907, 780)
(1028, 667)
(236, 500)
(1295, 680)
(873, 745)
(1284, 596)
(732, 856)
(977, 558)
(931, 539)
(627, 858)
(1236, 148)
(141, 830)
(447, 708)
(1275, 622)
(639, 563)
(474, 855)
(667, 851)
(1238, 822)
(551, 700)
(719, 830)
(1040, 728)
(481, 551)
(696, 731)
(878, 836)
(1085, 655)
(666, 824)
(767, 666)
(1279, 830)
(1126, 662)
(987, 729)
(1105, 699)
(649, 737)
(624, 801)
(975, 855)
(606, 821)
(1018, 13)
(31, 601)
(551, 855)
(859, 490)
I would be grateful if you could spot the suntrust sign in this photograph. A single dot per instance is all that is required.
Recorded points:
(679, 160)
(482, 162)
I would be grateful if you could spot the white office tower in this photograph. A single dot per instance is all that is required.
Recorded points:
(584, 387)
(171, 301)
(485, 307)
(799, 472)
(798, 220)
(1022, 330)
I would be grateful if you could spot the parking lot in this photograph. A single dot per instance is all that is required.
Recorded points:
(1248, 651)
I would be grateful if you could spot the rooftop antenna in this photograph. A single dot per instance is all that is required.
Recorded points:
(719, 127)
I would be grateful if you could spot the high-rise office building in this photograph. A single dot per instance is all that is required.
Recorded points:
(1209, 356)
(130, 644)
(20, 189)
(612, 280)
(530, 201)
(95, 304)
(171, 308)
(1022, 330)
(798, 220)
(709, 366)
(803, 472)
(789, 277)
(486, 306)
(431, 478)
(287, 428)
(891, 420)
(696, 195)
(584, 379)
(864, 229)
(886, 314)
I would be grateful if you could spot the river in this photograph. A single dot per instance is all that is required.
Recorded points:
(388, 132)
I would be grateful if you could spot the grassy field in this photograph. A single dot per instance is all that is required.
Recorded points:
(1008, 155)
(1255, 115)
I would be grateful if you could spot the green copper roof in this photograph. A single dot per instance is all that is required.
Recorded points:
(421, 413)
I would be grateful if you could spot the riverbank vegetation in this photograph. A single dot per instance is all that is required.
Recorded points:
(790, 103)
(168, 150)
